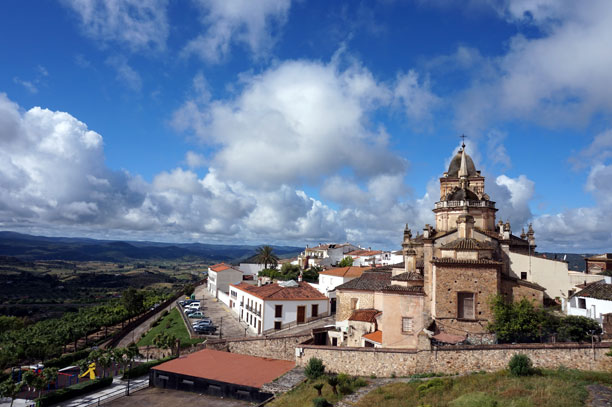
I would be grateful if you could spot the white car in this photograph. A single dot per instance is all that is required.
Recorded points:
(193, 305)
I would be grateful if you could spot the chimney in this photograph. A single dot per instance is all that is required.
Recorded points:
(465, 226)
(259, 282)
(300, 277)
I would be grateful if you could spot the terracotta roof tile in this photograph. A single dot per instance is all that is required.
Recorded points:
(275, 292)
(408, 276)
(467, 244)
(228, 367)
(364, 315)
(345, 271)
(598, 289)
(363, 252)
(369, 280)
(221, 267)
(375, 336)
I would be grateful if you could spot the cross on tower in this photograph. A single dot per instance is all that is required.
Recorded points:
(463, 136)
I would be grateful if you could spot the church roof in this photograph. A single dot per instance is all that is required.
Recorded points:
(467, 244)
(462, 194)
(378, 281)
(455, 165)
(408, 276)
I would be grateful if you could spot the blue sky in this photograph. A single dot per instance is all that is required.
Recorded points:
(281, 121)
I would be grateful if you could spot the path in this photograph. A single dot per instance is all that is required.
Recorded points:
(600, 396)
(221, 315)
(141, 329)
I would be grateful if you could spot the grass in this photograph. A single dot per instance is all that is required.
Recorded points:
(303, 394)
(558, 388)
(172, 324)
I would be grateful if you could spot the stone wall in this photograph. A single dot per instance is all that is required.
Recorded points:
(461, 359)
(281, 347)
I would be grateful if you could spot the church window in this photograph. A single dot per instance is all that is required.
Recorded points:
(406, 325)
(354, 303)
(465, 309)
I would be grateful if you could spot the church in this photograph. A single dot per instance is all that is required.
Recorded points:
(451, 271)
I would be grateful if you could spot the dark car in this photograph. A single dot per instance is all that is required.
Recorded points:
(203, 321)
(205, 329)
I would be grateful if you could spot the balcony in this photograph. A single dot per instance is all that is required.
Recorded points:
(459, 204)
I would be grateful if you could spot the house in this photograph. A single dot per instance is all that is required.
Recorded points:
(365, 257)
(220, 276)
(449, 274)
(332, 278)
(593, 301)
(324, 254)
(277, 306)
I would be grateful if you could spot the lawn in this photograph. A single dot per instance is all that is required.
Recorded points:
(172, 324)
(558, 388)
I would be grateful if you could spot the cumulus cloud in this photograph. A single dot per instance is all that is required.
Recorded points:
(253, 24)
(296, 123)
(558, 78)
(416, 98)
(140, 25)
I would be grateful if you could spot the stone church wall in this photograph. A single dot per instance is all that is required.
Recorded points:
(365, 299)
(460, 359)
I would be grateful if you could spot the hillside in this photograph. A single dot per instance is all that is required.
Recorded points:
(28, 247)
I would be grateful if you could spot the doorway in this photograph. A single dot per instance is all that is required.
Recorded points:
(301, 314)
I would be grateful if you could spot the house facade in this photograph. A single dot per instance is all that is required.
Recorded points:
(331, 278)
(599, 263)
(277, 306)
(324, 255)
(593, 301)
(220, 276)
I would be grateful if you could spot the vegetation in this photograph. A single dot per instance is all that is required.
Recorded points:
(40, 381)
(171, 325)
(306, 393)
(143, 368)
(265, 255)
(346, 262)
(522, 322)
(314, 368)
(550, 388)
(75, 391)
(520, 365)
(290, 271)
(10, 389)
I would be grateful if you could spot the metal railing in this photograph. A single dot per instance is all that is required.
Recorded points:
(114, 395)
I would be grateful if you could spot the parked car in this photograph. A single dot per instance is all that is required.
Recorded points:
(198, 314)
(203, 321)
(205, 330)
(192, 311)
(193, 305)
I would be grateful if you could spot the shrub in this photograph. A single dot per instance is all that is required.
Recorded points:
(320, 402)
(68, 359)
(74, 391)
(345, 388)
(520, 365)
(573, 328)
(314, 369)
(360, 382)
(431, 385)
(143, 368)
(318, 388)
(478, 399)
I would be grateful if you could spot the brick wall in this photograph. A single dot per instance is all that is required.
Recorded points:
(344, 311)
(464, 359)
(282, 347)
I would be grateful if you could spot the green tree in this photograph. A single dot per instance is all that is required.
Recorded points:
(188, 289)
(346, 262)
(574, 328)
(314, 368)
(133, 300)
(10, 389)
(105, 360)
(164, 340)
(311, 275)
(40, 380)
(265, 255)
(515, 322)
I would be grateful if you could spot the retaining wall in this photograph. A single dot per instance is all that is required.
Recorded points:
(460, 359)
(280, 347)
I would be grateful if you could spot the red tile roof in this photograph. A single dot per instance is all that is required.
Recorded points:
(220, 267)
(345, 271)
(276, 292)
(363, 252)
(228, 367)
(364, 315)
(375, 336)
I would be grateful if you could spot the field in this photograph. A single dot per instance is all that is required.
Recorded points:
(548, 388)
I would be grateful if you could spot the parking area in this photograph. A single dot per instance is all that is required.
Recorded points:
(222, 317)
(154, 397)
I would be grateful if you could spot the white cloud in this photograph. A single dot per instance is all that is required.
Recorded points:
(138, 24)
(416, 98)
(28, 85)
(195, 160)
(125, 73)
(297, 122)
(253, 24)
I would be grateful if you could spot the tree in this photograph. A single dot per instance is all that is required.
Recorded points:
(574, 328)
(346, 262)
(318, 388)
(188, 289)
(105, 360)
(265, 255)
(314, 368)
(311, 275)
(133, 300)
(515, 322)
(164, 340)
(10, 388)
(333, 382)
(40, 380)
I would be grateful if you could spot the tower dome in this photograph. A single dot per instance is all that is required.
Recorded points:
(455, 165)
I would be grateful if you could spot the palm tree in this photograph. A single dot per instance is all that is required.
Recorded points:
(265, 255)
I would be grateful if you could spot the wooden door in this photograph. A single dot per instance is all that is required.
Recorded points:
(301, 314)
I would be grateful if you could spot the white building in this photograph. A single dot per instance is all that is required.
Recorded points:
(365, 257)
(251, 269)
(593, 301)
(324, 254)
(277, 306)
(332, 278)
(220, 276)
(390, 258)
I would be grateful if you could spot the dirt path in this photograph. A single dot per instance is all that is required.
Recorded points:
(600, 396)
(134, 336)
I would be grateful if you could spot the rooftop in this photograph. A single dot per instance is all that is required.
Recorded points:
(363, 252)
(228, 367)
(221, 267)
(407, 276)
(364, 315)
(375, 336)
(303, 291)
(598, 290)
(345, 271)
(467, 244)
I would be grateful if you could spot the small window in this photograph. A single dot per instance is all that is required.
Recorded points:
(278, 311)
(465, 306)
(354, 303)
(406, 324)
(523, 275)
(315, 310)
(277, 325)
(582, 303)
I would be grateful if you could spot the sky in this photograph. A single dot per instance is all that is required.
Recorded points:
(299, 122)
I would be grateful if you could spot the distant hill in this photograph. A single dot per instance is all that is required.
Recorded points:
(575, 260)
(28, 247)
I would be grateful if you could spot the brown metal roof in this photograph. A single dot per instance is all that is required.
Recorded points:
(228, 367)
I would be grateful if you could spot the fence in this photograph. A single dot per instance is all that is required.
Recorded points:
(114, 395)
